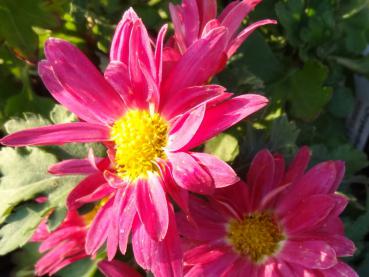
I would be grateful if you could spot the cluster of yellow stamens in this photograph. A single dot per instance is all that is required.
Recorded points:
(140, 138)
(256, 236)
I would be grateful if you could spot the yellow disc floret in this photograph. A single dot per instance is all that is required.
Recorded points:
(256, 236)
(140, 138)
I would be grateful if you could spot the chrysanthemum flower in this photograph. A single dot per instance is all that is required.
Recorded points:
(148, 125)
(282, 223)
(118, 216)
(66, 245)
(63, 246)
(194, 19)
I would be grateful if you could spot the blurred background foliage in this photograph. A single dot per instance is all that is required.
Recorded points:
(305, 66)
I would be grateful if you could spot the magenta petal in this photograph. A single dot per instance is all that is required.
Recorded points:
(152, 206)
(85, 187)
(82, 107)
(203, 57)
(58, 134)
(219, 118)
(117, 75)
(188, 174)
(260, 177)
(310, 254)
(340, 270)
(234, 16)
(117, 269)
(82, 80)
(182, 101)
(159, 53)
(128, 213)
(73, 166)
(120, 44)
(98, 232)
(185, 128)
(242, 36)
(222, 174)
(164, 258)
(309, 213)
(298, 165)
(205, 253)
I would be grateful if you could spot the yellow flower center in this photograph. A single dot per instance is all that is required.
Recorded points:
(256, 236)
(140, 138)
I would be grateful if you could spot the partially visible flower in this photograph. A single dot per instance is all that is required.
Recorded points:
(117, 216)
(148, 126)
(282, 223)
(61, 247)
(117, 268)
(194, 19)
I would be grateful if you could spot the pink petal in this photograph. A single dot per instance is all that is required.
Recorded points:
(159, 53)
(117, 75)
(204, 253)
(260, 177)
(58, 134)
(203, 57)
(127, 213)
(207, 11)
(242, 36)
(222, 174)
(188, 174)
(310, 254)
(185, 19)
(163, 258)
(152, 206)
(83, 81)
(181, 101)
(104, 190)
(185, 128)
(318, 180)
(214, 268)
(309, 213)
(233, 200)
(140, 59)
(117, 268)
(98, 231)
(219, 118)
(73, 166)
(82, 107)
(120, 44)
(179, 195)
(298, 165)
(340, 270)
(234, 17)
(85, 187)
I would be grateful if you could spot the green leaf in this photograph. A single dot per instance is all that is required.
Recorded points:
(342, 102)
(304, 90)
(355, 159)
(283, 135)
(17, 20)
(224, 146)
(24, 176)
(20, 227)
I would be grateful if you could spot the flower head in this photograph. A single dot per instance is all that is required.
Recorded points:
(194, 19)
(148, 125)
(283, 222)
(61, 247)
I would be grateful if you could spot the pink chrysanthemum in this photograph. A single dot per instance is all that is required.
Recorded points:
(149, 124)
(282, 223)
(61, 247)
(194, 19)
(66, 245)
(118, 215)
